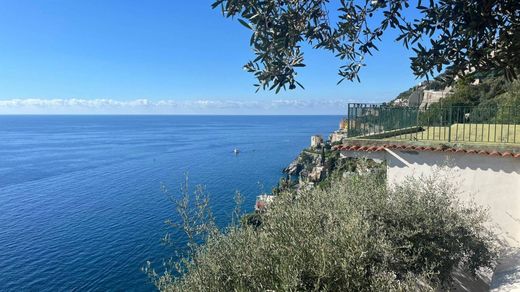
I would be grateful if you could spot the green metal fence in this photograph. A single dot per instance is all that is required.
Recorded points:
(491, 124)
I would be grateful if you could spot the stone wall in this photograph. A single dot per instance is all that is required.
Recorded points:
(432, 96)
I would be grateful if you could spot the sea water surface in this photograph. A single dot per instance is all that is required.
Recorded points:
(81, 206)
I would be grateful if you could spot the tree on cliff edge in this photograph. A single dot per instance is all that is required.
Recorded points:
(451, 35)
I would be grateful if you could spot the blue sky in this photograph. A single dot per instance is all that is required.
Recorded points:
(162, 56)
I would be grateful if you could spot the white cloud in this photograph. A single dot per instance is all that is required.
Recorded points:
(168, 106)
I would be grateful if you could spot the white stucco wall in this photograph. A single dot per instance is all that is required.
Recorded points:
(490, 181)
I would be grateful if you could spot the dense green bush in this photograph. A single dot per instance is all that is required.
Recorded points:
(492, 101)
(356, 235)
(510, 104)
(484, 93)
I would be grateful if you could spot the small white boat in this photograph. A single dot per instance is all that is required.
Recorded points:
(236, 151)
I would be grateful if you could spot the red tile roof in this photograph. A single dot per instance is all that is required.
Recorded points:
(423, 148)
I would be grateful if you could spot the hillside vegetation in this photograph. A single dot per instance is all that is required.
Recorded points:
(489, 91)
(351, 234)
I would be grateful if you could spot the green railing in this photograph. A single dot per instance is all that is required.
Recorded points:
(492, 124)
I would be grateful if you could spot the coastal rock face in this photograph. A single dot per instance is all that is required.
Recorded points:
(315, 164)
(312, 166)
(305, 161)
(294, 168)
(317, 174)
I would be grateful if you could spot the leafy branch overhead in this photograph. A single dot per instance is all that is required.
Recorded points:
(458, 35)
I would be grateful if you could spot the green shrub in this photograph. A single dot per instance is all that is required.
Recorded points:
(509, 105)
(355, 235)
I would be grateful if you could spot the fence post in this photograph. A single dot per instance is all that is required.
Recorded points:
(449, 123)
(349, 123)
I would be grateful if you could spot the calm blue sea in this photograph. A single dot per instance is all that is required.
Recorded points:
(80, 200)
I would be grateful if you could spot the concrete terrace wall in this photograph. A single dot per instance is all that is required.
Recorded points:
(493, 182)
(433, 96)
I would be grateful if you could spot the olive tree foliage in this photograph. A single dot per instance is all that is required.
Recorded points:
(355, 234)
(458, 35)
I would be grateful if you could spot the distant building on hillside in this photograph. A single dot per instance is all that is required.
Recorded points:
(316, 141)
(263, 202)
